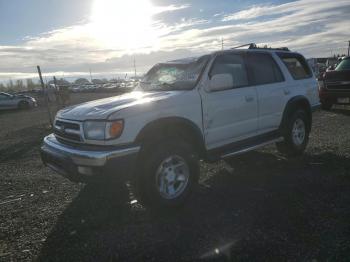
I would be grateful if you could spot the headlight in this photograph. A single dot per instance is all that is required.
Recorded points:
(103, 130)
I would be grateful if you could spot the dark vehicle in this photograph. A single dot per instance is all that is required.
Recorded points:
(8, 101)
(334, 85)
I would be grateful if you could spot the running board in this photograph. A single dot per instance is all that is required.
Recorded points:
(247, 149)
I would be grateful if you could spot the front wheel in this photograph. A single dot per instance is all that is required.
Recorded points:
(23, 105)
(296, 134)
(168, 172)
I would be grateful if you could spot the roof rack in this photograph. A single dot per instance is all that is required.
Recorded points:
(254, 46)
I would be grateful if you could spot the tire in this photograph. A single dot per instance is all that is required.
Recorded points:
(326, 105)
(168, 172)
(296, 132)
(23, 105)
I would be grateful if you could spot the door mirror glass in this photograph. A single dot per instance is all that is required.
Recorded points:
(221, 82)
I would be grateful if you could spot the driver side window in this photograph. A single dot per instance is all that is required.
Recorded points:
(234, 65)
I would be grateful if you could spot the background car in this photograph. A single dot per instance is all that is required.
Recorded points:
(334, 85)
(8, 101)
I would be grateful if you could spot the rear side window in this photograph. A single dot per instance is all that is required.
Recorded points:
(234, 65)
(264, 69)
(296, 65)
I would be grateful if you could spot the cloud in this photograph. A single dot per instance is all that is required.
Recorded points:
(169, 8)
(253, 12)
(314, 28)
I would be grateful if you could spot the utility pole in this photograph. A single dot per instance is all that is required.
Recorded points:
(349, 49)
(90, 75)
(45, 94)
(57, 92)
(135, 66)
(222, 44)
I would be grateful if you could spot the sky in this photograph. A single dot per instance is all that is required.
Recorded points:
(69, 37)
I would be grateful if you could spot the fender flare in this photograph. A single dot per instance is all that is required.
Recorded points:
(299, 101)
(167, 123)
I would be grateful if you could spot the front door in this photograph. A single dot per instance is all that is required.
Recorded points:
(230, 115)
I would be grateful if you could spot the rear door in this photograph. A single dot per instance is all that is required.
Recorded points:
(230, 115)
(273, 91)
(301, 76)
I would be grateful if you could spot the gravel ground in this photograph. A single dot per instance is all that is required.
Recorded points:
(259, 206)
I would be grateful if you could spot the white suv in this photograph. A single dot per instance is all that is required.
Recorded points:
(210, 108)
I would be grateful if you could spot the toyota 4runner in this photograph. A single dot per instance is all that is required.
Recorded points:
(206, 108)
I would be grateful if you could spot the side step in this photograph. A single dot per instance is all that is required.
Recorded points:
(250, 148)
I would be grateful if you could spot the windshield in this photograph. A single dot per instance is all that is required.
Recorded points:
(175, 75)
(343, 65)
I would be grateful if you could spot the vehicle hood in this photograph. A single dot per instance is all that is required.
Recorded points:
(333, 75)
(103, 108)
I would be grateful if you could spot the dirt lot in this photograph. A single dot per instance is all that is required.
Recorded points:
(260, 206)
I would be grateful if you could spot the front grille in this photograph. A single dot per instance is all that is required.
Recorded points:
(67, 130)
(69, 125)
(338, 85)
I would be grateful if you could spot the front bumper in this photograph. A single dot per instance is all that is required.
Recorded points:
(82, 165)
(332, 95)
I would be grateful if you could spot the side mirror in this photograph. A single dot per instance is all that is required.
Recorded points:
(220, 82)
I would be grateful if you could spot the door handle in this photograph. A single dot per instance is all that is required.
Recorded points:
(286, 91)
(249, 98)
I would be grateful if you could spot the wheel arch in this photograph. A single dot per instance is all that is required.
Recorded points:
(22, 102)
(169, 126)
(297, 102)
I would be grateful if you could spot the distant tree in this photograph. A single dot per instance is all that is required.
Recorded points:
(81, 81)
(97, 81)
(10, 85)
(19, 85)
(60, 82)
(2, 87)
(64, 81)
(30, 84)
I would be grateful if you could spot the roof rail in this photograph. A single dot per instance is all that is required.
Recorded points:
(251, 46)
(254, 46)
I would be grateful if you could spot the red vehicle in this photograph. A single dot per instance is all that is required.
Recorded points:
(334, 85)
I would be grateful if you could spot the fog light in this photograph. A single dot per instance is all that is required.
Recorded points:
(85, 170)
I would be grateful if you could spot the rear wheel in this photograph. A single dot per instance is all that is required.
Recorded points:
(296, 134)
(168, 172)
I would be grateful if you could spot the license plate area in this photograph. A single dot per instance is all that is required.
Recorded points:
(343, 100)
